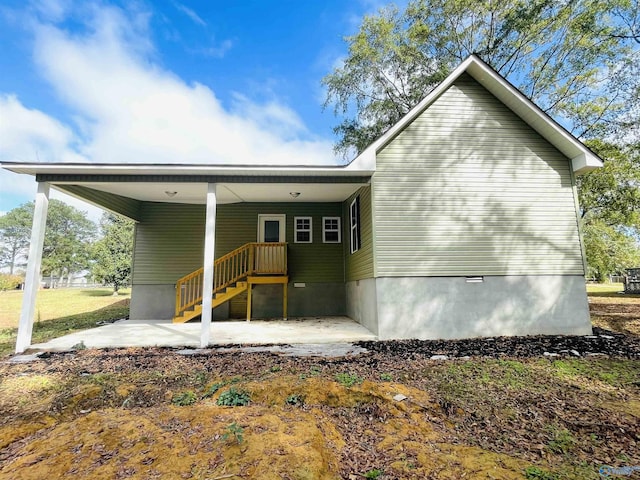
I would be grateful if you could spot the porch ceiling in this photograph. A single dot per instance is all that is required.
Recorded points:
(195, 193)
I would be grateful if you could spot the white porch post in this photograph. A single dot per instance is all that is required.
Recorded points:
(209, 258)
(25, 327)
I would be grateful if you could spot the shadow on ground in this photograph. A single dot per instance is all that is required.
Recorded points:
(43, 331)
(99, 293)
(619, 294)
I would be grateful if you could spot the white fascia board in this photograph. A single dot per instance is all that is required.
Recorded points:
(177, 169)
(582, 159)
(366, 161)
(585, 162)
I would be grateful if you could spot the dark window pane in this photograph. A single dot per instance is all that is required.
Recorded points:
(331, 236)
(272, 231)
(303, 236)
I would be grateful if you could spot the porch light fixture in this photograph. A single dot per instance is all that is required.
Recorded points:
(170, 194)
(294, 194)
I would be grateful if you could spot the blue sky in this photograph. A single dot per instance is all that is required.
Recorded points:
(167, 82)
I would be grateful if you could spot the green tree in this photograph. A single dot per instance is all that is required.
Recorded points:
(67, 240)
(610, 210)
(113, 252)
(609, 249)
(15, 232)
(577, 60)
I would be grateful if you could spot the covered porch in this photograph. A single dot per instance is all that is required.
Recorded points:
(188, 216)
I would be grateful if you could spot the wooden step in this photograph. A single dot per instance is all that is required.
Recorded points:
(188, 315)
(218, 299)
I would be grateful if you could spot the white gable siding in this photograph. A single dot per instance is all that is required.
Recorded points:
(470, 189)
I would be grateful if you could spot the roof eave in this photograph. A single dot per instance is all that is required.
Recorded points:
(177, 169)
(585, 163)
(583, 160)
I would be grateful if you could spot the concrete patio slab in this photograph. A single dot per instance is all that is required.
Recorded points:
(152, 333)
(300, 350)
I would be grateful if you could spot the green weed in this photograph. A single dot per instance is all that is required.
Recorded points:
(200, 378)
(535, 473)
(233, 398)
(101, 378)
(295, 400)
(184, 399)
(513, 374)
(213, 389)
(348, 379)
(314, 371)
(233, 432)
(561, 439)
(373, 474)
(611, 372)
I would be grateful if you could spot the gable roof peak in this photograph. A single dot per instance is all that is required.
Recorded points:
(582, 158)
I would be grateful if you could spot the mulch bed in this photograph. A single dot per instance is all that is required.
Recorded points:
(602, 342)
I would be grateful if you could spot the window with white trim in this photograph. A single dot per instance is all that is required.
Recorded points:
(302, 230)
(330, 229)
(354, 224)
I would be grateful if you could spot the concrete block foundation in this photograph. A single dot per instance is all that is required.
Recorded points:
(415, 307)
(157, 302)
(461, 307)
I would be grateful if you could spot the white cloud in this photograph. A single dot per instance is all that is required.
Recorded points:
(54, 10)
(23, 189)
(195, 18)
(133, 111)
(216, 50)
(14, 186)
(127, 109)
(271, 115)
(29, 135)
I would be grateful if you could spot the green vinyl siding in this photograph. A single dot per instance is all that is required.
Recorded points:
(170, 239)
(358, 265)
(169, 242)
(237, 224)
(128, 207)
(469, 189)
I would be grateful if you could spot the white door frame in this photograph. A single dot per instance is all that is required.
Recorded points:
(281, 217)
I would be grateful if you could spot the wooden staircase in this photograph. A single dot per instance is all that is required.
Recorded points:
(218, 299)
(233, 274)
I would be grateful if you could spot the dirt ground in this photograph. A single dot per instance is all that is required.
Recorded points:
(617, 312)
(536, 408)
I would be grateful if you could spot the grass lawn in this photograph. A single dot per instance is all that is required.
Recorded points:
(59, 312)
(614, 310)
(604, 288)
